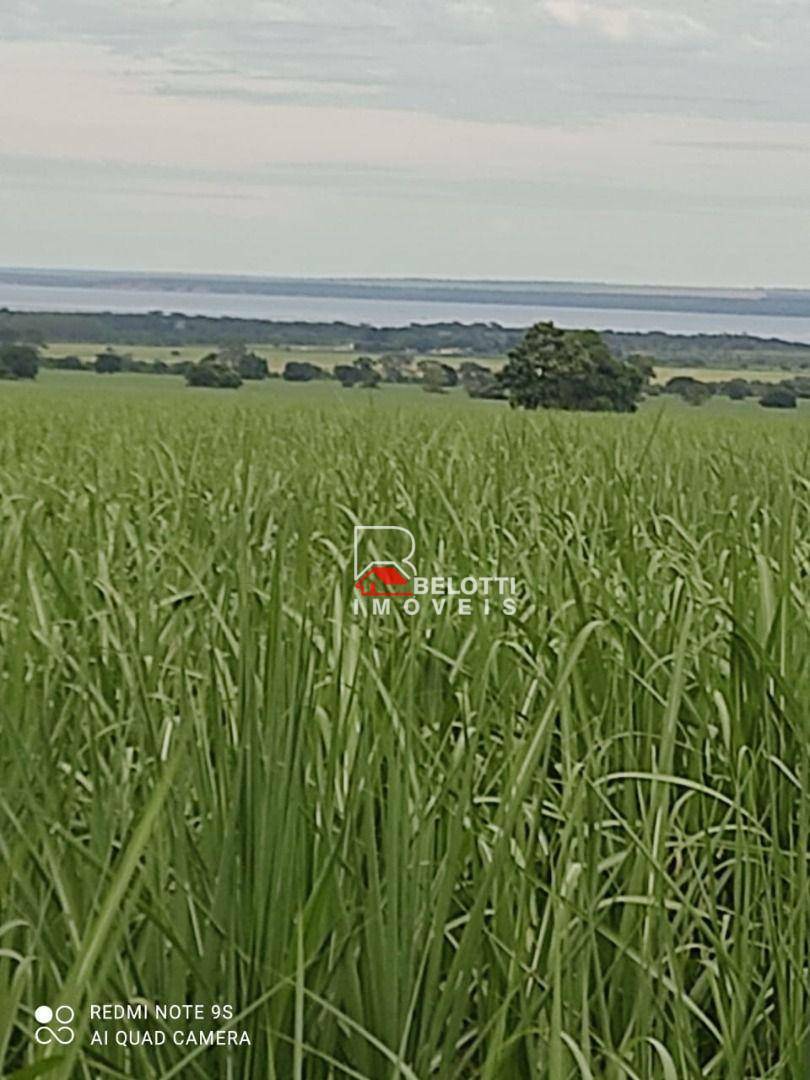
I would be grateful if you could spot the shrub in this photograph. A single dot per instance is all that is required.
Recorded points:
(697, 393)
(437, 376)
(248, 364)
(109, 363)
(213, 373)
(348, 375)
(778, 397)
(67, 363)
(433, 378)
(252, 366)
(738, 389)
(480, 382)
(302, 371)
(396, 368)
(18, 362)
(799, 384)
(680, 383)
(361, 373)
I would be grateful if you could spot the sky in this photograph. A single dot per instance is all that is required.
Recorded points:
(547, 139)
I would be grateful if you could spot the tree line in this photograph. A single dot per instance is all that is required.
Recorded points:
(773, 395)
(549, 368)
(174, 330)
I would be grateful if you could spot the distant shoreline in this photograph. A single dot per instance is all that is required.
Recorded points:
(783, 303)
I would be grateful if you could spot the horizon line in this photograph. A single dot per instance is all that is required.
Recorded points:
(404, 279)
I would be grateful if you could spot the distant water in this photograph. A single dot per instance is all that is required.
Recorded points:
(390, 312)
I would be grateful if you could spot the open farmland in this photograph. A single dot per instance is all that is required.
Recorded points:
(569, 843)
(714, 375)
(276, 357)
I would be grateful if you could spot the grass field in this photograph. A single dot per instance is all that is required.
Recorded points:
(572, 843)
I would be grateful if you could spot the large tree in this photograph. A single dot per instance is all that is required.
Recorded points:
(554, 368)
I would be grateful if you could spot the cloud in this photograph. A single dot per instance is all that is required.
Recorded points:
(520, 137)
(470, 59)
(742, 146)
(623, 23)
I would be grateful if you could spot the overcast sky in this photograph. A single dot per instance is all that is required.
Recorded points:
(565, 139)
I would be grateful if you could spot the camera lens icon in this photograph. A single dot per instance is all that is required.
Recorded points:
(54, 1025)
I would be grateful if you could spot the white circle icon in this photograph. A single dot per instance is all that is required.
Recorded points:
(43, 1014)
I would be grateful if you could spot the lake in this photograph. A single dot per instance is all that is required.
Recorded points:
(389, 311)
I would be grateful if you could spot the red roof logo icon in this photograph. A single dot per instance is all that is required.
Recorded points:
(383, 579)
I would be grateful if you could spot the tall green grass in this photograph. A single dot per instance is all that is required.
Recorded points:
(568, 844)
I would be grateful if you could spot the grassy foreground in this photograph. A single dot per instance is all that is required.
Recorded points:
(572, 843)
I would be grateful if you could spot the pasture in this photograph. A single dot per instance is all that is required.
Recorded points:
(710, 375)
(277, 357)
(572, 843)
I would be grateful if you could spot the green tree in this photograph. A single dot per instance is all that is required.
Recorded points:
(302, 371)
(433, 379)
(680, 383)
(67, 363)
(479, 381)
(737, 389)
(252, 366)
(109, 363)
(437, 374)
(369, 376)
(569, 369)
(799, 384)
(643, 364)
(778, 397)
(347, 375)
(18, 362)
(248, 364)
(215, 373)
(697, 393)
(396, 368)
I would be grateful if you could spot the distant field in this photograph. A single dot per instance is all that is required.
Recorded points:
(276, 357)
(664, 374)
